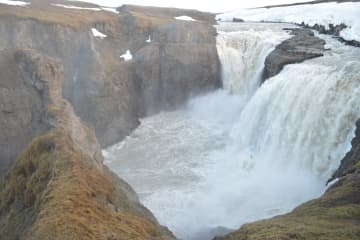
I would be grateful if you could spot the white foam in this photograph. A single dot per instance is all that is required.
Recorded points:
(14, 3)
(226, 159)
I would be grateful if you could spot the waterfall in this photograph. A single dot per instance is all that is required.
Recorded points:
(242, 51)
(245, 152)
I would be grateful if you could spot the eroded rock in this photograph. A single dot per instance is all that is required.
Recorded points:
(303, 46)
(58, 188)
(106, 92)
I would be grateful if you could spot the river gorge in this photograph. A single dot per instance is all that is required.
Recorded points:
(271, 142)
(147, 123)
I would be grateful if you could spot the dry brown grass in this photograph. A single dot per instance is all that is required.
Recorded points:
(68, 197)
(57, 15)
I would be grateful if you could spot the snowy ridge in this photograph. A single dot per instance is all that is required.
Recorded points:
(14, 3)
(113, 10)
(311, 14)
(75, 7)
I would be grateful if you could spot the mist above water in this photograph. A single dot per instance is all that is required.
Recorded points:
(245, 152)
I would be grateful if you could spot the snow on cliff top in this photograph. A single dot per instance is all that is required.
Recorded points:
(86, 8)
(185, 18)
(76, 7)
(324, 14)
(14, 3)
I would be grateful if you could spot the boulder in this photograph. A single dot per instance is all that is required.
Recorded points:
(302, 46)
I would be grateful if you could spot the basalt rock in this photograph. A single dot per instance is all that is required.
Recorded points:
(303, 46)
(350, 163)
(334, 30)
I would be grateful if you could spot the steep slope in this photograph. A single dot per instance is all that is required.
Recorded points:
(107, 92)
(58, 187)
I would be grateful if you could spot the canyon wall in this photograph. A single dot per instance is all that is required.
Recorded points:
(110, 94)
(59, 188)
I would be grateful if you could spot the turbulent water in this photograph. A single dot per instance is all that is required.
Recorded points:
(245, 152)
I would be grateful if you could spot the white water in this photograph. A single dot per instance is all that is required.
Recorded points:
(227, 159)
(242, 51)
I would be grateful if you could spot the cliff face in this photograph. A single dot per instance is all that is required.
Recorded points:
(58, 188)
(107, 92)
(350, 163)
(302, 46)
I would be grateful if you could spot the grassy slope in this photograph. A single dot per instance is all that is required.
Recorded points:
(57, 15)
(54, 192)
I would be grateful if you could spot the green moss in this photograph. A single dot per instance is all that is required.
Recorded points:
(348, 211)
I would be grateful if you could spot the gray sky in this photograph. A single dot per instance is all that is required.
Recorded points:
(210, 5)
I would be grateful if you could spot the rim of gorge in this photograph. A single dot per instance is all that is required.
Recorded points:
(213, 126)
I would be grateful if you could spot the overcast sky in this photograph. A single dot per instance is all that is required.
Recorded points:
(209, 5)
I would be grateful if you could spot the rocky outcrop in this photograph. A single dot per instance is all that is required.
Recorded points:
(334, 30)
(58, 188)
(350, 163)
(110, 94)
(304, 45)
(335, 215)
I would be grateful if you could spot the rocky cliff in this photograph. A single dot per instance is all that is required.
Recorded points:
(110, 94)
(58, 188)
(302, 46)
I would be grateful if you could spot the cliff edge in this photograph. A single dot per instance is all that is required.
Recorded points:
(58, 188)
(172, 60)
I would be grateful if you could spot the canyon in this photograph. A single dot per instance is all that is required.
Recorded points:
(183, 98)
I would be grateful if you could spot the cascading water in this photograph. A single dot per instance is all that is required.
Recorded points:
(245, 153)
(242, 51)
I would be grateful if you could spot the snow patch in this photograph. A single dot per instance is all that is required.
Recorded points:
(311, 14)
(76, 7)
(148, 40)
(98, 34)
(14, 3)
(110, 9)
(103, 3)
(127, 56)
(185, 18)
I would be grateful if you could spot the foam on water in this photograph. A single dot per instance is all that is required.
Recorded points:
(245, 153)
